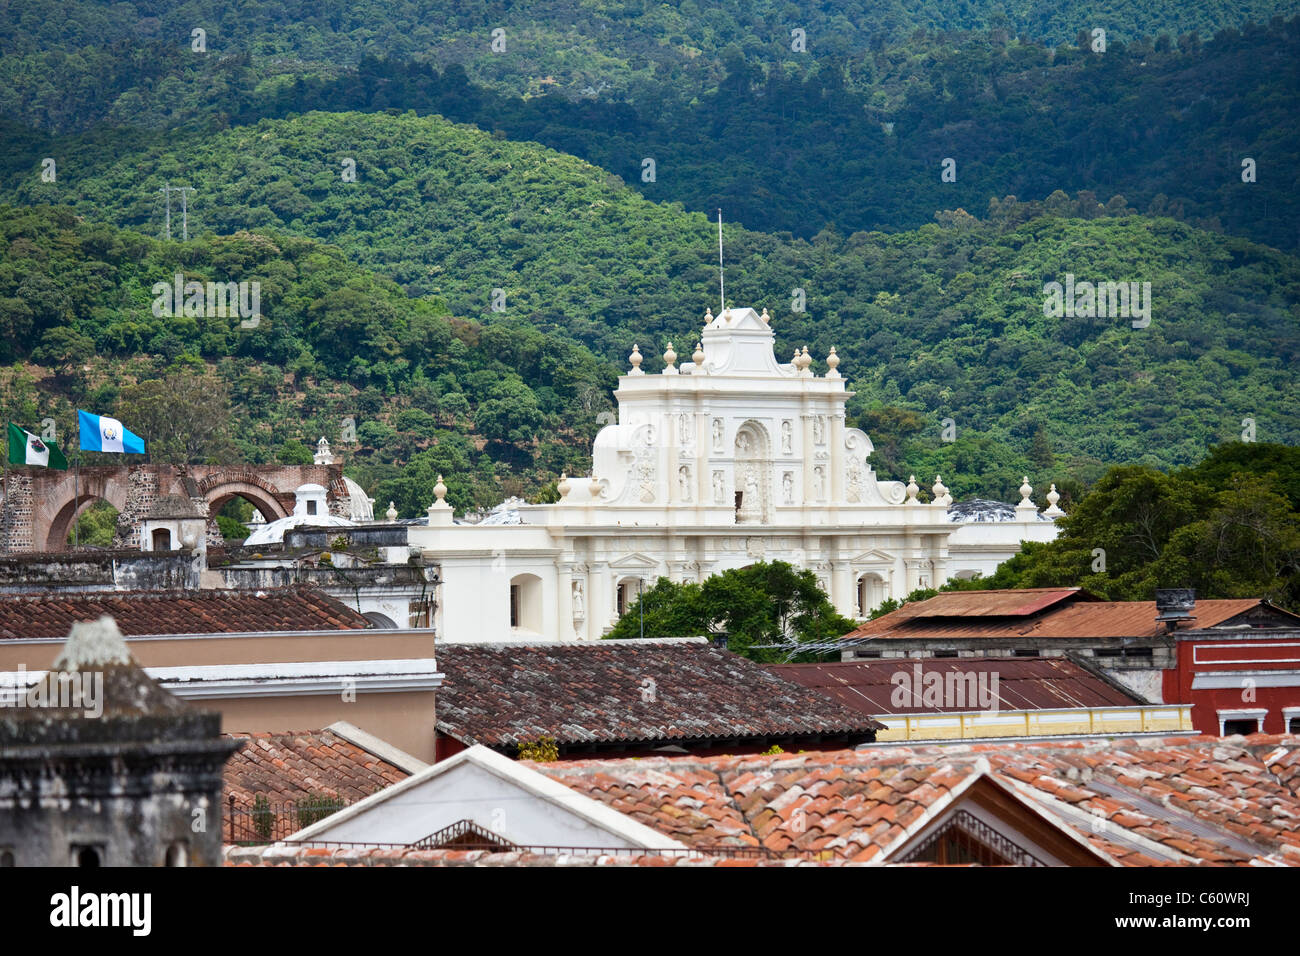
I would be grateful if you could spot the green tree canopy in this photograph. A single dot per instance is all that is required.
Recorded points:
(763, 604)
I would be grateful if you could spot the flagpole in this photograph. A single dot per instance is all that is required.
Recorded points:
(76, 502)
(4, 517)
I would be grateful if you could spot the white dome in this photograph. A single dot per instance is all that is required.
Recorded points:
(360, 507)
(310, 508)
(273, 532)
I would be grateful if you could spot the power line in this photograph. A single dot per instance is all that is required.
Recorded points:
(185, 212)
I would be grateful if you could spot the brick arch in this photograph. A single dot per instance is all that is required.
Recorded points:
(62, 521)
(41, 503)
(266, 502)
(61, 497)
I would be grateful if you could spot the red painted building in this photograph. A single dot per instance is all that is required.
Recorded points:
(1238, 679)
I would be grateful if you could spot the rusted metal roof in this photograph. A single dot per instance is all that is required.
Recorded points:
(1022, 684)
(1080, 617)
(1018, 602)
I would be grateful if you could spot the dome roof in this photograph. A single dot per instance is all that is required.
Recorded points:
(984, 511)
(360, 507)
(273, 532)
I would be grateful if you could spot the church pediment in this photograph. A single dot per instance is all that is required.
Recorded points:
(634, 562)
(873, 557)
(740, 320)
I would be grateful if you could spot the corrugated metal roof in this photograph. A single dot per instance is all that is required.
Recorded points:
(1019, 602)
(1022, 684)
(1078, 619)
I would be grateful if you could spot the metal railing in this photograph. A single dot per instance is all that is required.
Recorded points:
(265, 822)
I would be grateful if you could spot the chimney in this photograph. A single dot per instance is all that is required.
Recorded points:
(1174, 605)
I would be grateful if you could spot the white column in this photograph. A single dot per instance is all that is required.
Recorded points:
(564, 605)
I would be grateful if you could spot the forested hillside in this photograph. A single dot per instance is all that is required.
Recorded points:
(857, 142)
(499, 410)
(467, 296)
(60, 55)
(947, 320)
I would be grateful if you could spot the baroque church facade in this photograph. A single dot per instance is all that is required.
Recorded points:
(714, 463)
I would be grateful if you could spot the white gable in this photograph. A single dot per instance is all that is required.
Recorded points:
(499, 794)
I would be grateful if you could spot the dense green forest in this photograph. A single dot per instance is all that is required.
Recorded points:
(1228, 527)
(946, 320)
(856, 143)
(458, 247)
(440, 393)
(118, 58)
(861, 145)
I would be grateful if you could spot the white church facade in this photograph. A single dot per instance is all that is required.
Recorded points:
(715, 463)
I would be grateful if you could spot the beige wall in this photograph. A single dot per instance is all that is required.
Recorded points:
(368, 645)
(403, 719)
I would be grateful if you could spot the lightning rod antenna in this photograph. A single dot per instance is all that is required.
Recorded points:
(722, 286)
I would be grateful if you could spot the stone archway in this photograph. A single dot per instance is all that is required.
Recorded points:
(40, 505)
(220, 486)
(55, 499)
(268, 504)
(65, 517)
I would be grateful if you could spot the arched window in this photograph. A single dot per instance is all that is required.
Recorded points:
(628, 590)
(871, 592)
(86, 856)
(162, 539)
(178, 854)
(526, 603)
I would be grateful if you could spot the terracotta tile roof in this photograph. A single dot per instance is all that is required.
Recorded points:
(402, 856)
(177, 612)
(1069, 614)
(1022, 684)
(287, 767)
(1171, 801)
(624, 691)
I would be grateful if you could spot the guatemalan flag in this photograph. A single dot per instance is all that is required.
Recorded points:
(100, 433)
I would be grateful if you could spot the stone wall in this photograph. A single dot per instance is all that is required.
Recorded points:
(41, 502)
(94, 570)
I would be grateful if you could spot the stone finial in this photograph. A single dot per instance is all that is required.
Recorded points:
(594, 488)
(941, 496)
(1025, 491)
(805, 360)
(912, 489)
(440, 492)
(767, 319)
(794, 361)
(708, 316)
(91, 645)
(698, 355)
(670, 358)
(563, 486)
(323, 454)
(832, 364)
(1052, 511)
(391, 513)
(635, 359)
